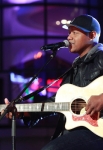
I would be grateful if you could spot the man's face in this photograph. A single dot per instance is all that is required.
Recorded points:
(79, 40)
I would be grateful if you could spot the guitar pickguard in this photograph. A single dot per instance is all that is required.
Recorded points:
(91, 120)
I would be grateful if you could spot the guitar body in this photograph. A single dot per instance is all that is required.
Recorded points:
(80, 95)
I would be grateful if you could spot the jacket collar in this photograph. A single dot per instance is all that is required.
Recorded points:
(94, 50)
(91, 53)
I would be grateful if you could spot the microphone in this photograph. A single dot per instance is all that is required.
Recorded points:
(65, 43)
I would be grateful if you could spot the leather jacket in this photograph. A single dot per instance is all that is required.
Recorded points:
(89, 69)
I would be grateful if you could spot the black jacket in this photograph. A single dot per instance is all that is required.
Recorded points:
(89, 69)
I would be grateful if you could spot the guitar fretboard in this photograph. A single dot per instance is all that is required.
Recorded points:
(38, 107)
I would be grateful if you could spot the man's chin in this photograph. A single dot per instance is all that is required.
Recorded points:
(72, 51)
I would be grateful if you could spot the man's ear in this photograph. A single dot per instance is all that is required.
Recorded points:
(92, 35)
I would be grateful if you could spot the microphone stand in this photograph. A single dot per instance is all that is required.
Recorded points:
(20, 99)
(13, 131)
(39, 90)
(11, 107)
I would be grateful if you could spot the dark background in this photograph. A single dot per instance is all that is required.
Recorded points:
(25, 26)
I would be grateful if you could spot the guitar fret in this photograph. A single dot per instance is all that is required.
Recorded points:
(37, 106)
(60, 106)
(47, 107)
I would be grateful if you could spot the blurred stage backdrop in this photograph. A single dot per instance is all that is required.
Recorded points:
(25, 26)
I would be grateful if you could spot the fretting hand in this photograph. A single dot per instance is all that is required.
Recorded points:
(9, 114)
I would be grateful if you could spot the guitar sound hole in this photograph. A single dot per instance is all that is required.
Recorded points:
(77, 105)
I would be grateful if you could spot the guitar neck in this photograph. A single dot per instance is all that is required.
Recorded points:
(40, 107)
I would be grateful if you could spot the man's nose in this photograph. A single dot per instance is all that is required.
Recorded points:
(69, 37)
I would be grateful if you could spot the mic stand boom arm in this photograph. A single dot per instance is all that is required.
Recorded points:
(21, 98)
